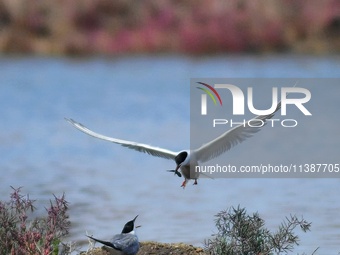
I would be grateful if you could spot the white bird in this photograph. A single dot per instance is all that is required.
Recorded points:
(186, 159)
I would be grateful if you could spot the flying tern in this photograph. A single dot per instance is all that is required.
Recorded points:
(189, 159)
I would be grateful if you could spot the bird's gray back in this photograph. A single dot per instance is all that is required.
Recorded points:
(127, 243)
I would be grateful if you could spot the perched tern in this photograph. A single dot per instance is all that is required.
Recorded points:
(126, 242)
(187, 159)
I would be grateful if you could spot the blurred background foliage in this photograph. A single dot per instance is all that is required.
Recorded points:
(81, 27)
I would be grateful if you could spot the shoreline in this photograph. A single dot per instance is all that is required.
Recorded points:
(150, 247)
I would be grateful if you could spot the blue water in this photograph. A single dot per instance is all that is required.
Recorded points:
(146, 99)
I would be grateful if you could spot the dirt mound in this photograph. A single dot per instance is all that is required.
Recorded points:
(149, 248)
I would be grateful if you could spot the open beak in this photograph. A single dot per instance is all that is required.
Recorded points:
(135, 218)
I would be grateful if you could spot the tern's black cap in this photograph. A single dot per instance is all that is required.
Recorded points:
(181, 157)
(129, 226)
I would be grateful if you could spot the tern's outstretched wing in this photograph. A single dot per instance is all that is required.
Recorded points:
(231, 138)
(154, 151)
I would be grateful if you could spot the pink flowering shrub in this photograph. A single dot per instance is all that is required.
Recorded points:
(21, 236)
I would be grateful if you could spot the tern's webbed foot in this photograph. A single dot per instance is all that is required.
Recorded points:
(184, 183)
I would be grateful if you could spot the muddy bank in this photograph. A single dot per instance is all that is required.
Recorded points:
(148, 248)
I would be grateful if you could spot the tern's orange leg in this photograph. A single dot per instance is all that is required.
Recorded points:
(184, 184)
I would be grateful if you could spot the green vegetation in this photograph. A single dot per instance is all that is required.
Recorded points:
(243, 234)
(238, 232)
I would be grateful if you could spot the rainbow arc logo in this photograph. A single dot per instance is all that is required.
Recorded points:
(212, 93)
